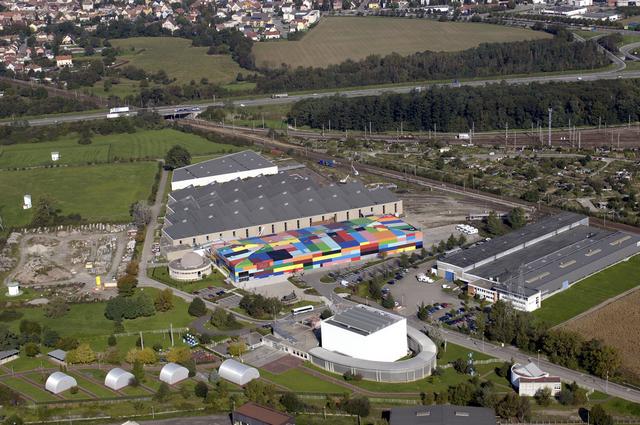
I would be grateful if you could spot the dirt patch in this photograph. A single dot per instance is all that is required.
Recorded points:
(39, 270)
(618, 325)
(283, 364)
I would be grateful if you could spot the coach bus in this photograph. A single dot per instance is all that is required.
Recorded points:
(301, 310)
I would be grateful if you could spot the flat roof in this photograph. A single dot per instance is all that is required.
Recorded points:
(8, 353)
(500, 244)
(232, 163)
(363, 320)
(219, 207)
(442, 415)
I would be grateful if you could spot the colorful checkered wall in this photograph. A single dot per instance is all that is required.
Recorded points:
(316, 246)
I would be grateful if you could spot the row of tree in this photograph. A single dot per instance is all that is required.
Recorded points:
(489, 107)
(486, 60)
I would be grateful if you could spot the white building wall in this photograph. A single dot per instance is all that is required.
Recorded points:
(531, 388)
(221, 178)
(387, 345)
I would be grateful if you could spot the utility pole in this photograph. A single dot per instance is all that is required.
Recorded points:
(550, 112)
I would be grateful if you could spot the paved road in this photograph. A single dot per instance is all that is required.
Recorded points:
(196, 420)
(628, 49)
(262, 101)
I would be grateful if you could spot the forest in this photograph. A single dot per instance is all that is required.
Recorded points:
(484, 108)
(490, 59)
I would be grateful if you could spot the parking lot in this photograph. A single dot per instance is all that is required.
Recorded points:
(232, 301)
(210, 293)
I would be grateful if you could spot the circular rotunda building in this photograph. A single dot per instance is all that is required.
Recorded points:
(190, 267)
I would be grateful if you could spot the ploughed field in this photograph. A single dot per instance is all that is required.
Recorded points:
(336, 39)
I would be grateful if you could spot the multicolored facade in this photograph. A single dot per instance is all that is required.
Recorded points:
(316, 246)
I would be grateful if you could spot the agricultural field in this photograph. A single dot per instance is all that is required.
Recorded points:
(590, 292)
(606, 323)
(336, 39)
(185, 63)
(145, 144)
(97, 193)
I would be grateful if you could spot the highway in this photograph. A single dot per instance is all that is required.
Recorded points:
(610, 74)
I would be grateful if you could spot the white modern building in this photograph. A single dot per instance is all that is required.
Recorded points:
(530, 379)
(238, 373)
(366, 333)
(240, 165)
(191, 267)
(118, 378)
(59, 382)
(173, 373)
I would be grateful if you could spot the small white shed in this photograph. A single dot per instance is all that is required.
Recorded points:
(173, 373)
(59, 382)
(237, 372)
(118, 378)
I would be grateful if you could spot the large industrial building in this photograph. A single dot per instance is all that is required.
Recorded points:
(530, 264)
(267, 204)
(240, 165)
(316, 246)
(366, 333)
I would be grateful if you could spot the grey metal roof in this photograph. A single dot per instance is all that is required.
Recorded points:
(8, 353)
(498, 245)
(58, 354)
(363, 320)
(442, 415)
(232, 163)
(260, 200)
(567, 257)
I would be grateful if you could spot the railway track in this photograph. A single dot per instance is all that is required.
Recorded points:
(259, 137)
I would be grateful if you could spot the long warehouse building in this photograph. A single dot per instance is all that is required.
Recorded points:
(267, 204)
(530, 264)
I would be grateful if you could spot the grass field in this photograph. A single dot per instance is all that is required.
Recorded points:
(87, 322)
(299, 381)
(605, 324)
(336, 39)
(97, 193)
(178, 59)
(590, 292)
(146, 144)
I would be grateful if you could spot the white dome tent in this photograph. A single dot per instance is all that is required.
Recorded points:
(59, 382)
(173, 373)
(118, 378)
(238, 373)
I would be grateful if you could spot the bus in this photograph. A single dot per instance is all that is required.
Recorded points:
(301, 310)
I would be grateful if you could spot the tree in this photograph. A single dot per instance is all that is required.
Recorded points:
(179, 354)
(85, 139)
(67, 343)
(44, 214)
(31, 349)
(599, 359)
(460, 365)
(197, 307)
(494, 224)
(143, 355)
(50, 337)
(82, 354)
(162, 393)
(517, 218)
(237, 349)
(452, 242)
(127, 285)
(461, 394)
(261, 393)
(56, 308)
(388, 301)
(404, 260)
(177, 157)
(8, 340)
(141, 213)
(201, 389)
(357, 406)
(138, 371)
(291, 402)
(164, 300)
(543, 396)
(599, 416)
(326, 313)
(111, 341)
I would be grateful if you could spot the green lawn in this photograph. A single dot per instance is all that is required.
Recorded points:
(590, 292)
(28, 363)
(299, 381)
(99, 390)
(146, 144)
(185, 63)
(161, 274)
(87, 322)
(97, 193)
(455, 351)
(25, 387)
